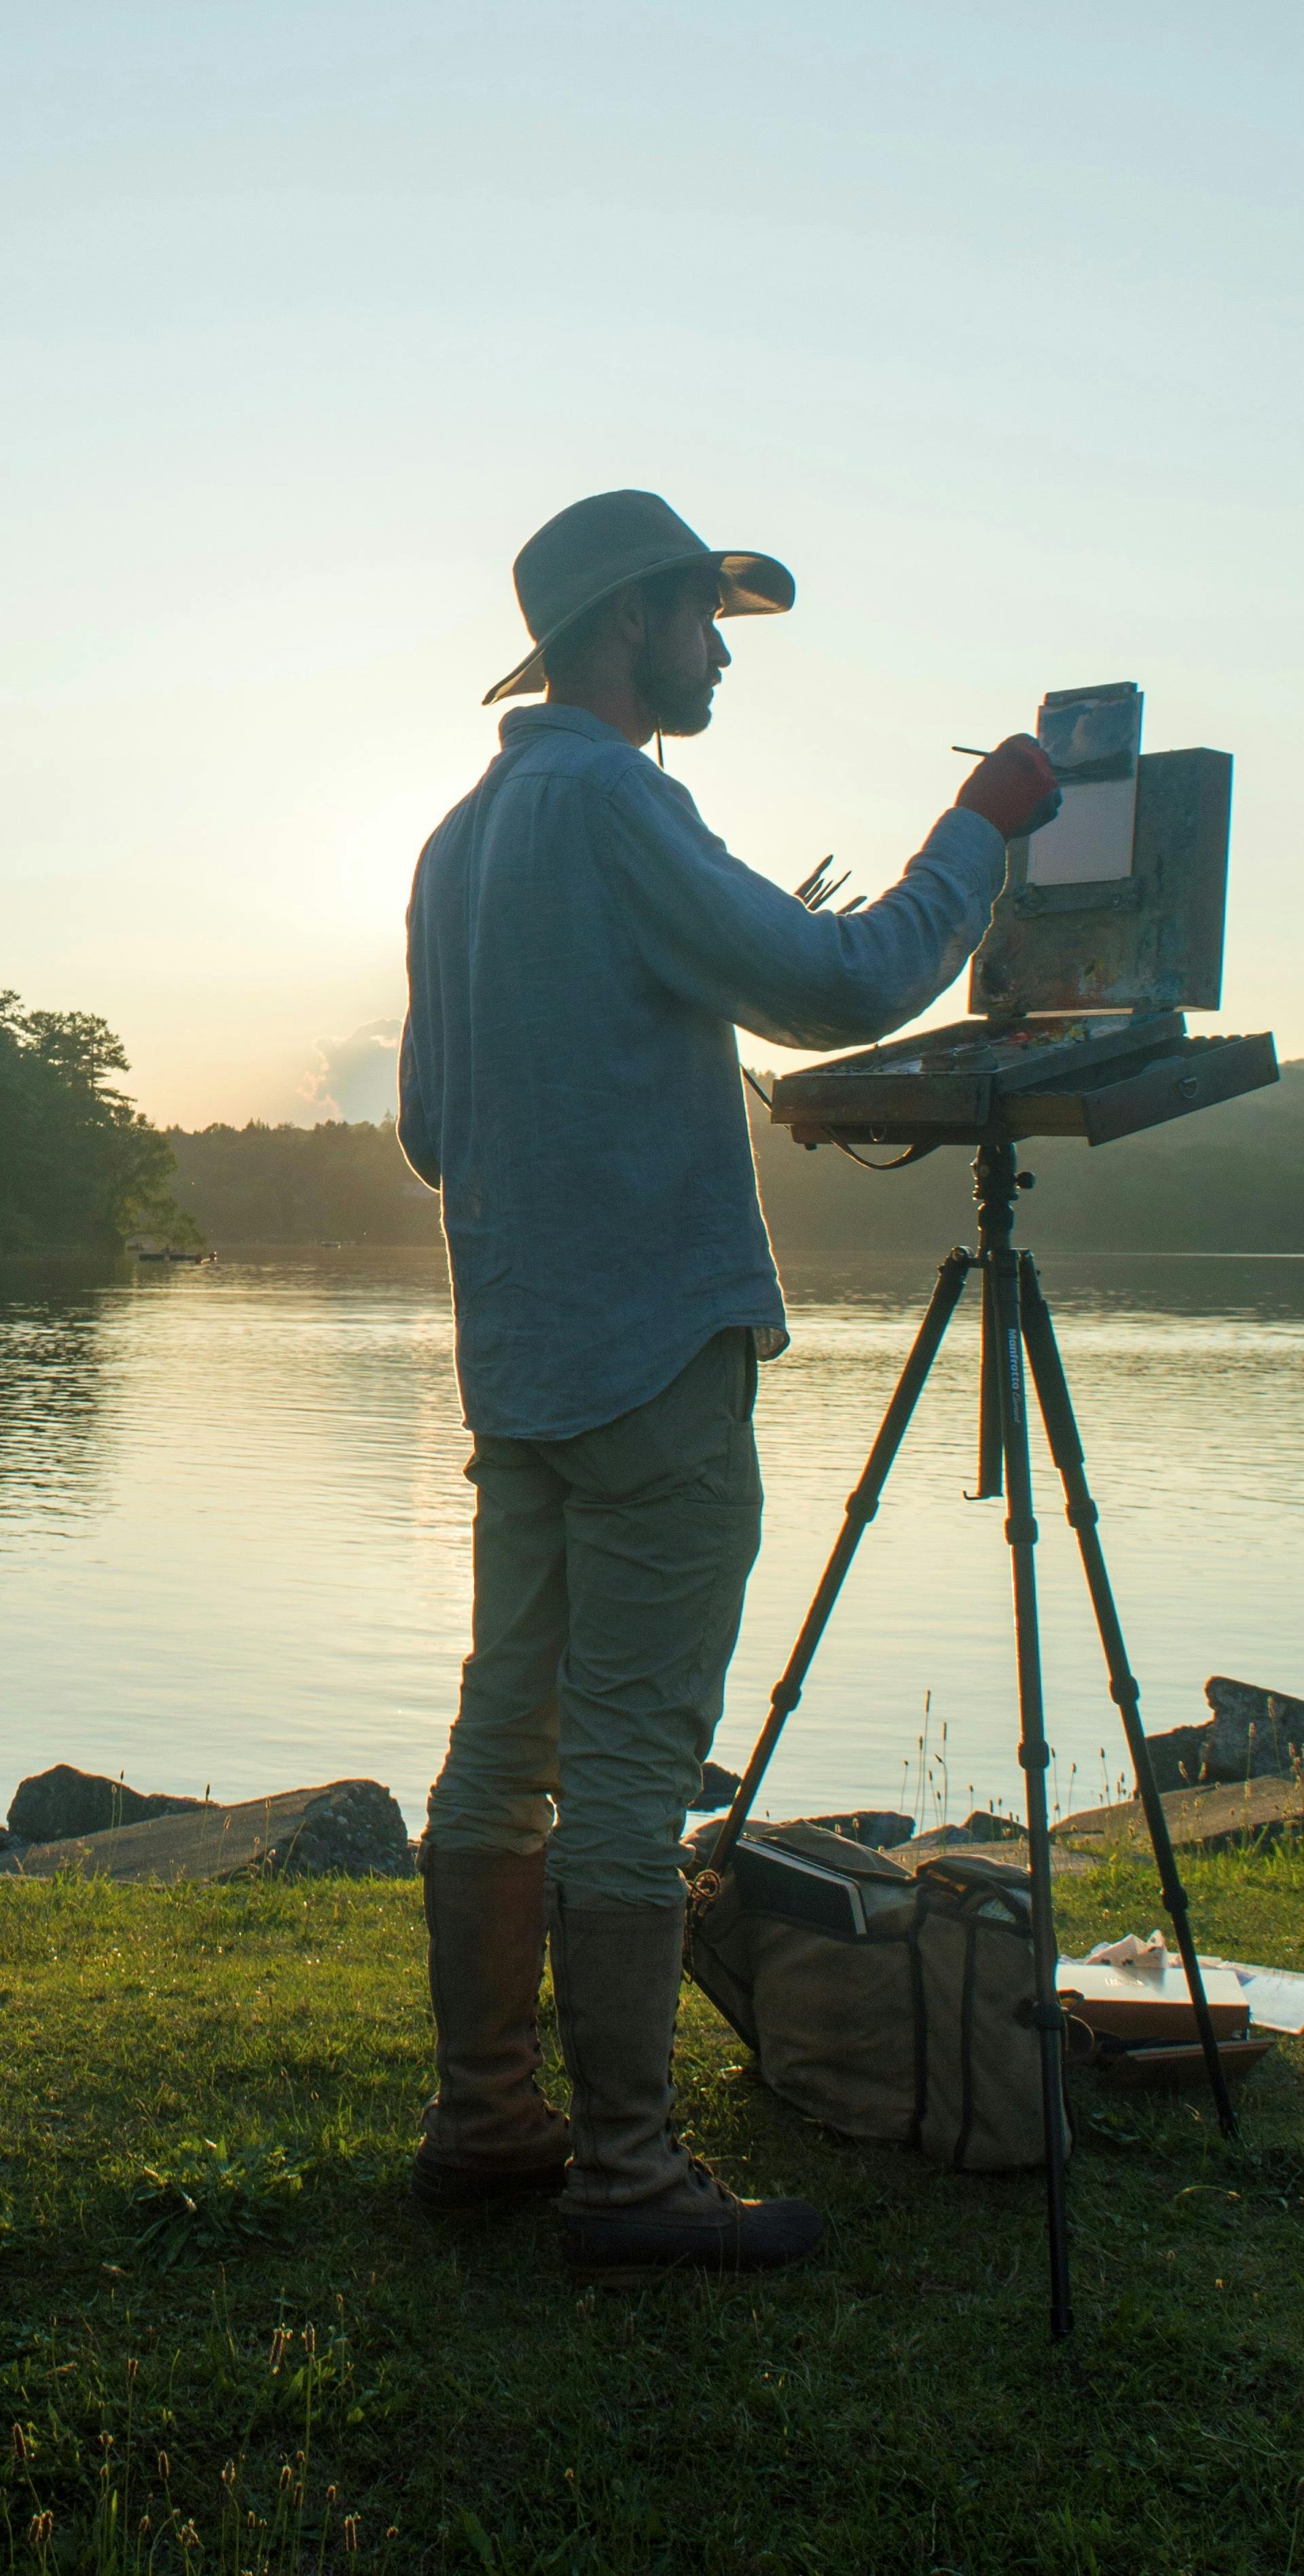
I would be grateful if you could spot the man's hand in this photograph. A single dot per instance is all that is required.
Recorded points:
(1014, 788)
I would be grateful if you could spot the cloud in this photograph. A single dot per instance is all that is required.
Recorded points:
(357, 1076)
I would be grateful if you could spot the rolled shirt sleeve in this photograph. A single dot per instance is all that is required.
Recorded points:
(728, 940)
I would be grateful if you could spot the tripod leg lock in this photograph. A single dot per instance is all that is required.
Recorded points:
(1082, 1515)
(1021, 1533)
(1126, 1691)
(1034, 1757)
(861, 1512)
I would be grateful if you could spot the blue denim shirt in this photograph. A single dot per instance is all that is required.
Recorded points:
(580, 948)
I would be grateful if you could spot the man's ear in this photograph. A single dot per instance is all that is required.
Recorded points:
(629, 614)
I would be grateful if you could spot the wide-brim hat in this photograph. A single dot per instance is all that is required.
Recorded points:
(592, 549)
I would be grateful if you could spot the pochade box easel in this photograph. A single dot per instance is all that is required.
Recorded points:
(1109, 927)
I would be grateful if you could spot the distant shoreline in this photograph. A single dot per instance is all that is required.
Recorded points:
(789, 1256)
(1225, 1182)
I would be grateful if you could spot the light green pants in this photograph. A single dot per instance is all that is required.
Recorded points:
(609, 1580)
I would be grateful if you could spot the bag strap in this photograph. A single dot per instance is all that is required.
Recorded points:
(969, 1981)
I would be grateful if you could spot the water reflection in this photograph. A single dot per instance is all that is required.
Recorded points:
(56, 1433)
(235, 1530)
(1261, 1287)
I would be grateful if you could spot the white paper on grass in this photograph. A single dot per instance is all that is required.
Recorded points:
(1130, 1952)
(1275, 1996)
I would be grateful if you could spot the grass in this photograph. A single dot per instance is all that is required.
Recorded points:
(226, 2344)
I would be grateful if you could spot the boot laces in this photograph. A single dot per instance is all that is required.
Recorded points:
(700, 2174)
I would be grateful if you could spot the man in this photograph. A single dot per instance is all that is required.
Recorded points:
(580, 949)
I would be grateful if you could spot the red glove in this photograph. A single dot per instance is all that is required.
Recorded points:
(1010, 785)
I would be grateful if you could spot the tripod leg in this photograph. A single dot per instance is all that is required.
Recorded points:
(861, 1507)
(1021, 1532)
(989, 1407)
(1083, 1517)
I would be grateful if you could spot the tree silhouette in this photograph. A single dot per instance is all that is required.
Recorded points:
(79, 1045)
(80, 1163)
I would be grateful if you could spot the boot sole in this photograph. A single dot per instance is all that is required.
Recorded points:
(623, 2275)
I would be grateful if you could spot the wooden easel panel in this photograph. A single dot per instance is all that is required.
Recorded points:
(1151, 941)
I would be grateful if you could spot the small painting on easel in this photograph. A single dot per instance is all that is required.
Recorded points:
(1092, 739)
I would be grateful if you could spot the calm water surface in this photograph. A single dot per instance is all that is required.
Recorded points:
(235, 1538)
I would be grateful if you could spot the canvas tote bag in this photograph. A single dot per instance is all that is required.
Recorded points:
(889, 2005)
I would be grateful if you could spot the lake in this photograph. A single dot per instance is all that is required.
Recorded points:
(235, 1537)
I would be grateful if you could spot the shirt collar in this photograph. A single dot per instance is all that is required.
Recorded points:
(557, 719)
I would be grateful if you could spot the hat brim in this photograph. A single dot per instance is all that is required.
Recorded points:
(750, 586)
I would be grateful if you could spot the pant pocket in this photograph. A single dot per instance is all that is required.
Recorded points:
(752, 1373)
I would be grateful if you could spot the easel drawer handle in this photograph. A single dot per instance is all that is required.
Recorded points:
(1189, 1086)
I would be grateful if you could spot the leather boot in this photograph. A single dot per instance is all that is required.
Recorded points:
(488, 2135)
(635, 2201)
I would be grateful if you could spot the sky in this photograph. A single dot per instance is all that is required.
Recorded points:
(985, 320)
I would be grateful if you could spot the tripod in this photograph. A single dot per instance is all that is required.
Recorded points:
(1015, 1321)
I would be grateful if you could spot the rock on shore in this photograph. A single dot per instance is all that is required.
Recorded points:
(1253, 1734)
(53, 1804)
(1223, 1815)
(348, 1828)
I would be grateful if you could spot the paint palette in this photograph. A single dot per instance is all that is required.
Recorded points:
(1095, 1077)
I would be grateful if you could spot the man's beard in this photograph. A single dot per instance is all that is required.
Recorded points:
(683, 706)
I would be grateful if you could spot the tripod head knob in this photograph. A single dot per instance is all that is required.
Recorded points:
(1025, 1180)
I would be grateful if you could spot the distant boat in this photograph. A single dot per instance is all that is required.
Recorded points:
(328, 1244)
(169, 1255)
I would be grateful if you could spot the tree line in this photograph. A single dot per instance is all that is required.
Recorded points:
(79, 1165)
(1228, 1180)
(338, 1182)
